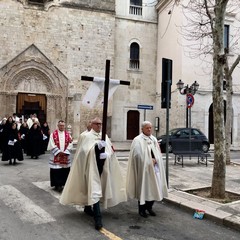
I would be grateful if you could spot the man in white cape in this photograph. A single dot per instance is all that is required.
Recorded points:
(146, 179)
(81, 136)
(94, 176)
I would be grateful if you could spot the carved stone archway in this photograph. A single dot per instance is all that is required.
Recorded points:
(30, 80)
(31, 72)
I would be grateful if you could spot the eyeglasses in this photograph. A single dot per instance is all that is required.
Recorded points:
(97, 123)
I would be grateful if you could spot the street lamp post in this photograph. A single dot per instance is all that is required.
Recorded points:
(189, 92)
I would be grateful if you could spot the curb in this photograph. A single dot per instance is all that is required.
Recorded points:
(219, 216)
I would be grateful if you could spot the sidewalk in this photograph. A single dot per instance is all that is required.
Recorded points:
(194, 176)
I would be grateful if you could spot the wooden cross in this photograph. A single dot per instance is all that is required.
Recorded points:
(105, 99)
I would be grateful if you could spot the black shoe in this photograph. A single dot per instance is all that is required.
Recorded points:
(88, 210)
(14, 162)
(151, 212)
(58, 188)
(143, 214)
(98, 224)
(10, 162)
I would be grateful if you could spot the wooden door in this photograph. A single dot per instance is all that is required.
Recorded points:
(32, 103)
(132, 124)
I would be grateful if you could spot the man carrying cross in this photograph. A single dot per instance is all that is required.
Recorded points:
(95, 175)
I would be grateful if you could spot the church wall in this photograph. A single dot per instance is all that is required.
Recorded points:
(100, 5)
(169, 46)
(148, 10)
(142, 81)
(77, 41)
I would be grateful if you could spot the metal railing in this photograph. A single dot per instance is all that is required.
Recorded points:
(134, 64)
(135, 10)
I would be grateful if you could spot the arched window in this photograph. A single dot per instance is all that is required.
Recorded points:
(136, 2)
(134, 56)
(135, 7)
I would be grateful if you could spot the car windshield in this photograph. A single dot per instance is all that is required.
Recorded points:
(173, 131)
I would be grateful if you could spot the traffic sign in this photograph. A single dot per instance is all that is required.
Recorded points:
(146, 107)
(190, 100)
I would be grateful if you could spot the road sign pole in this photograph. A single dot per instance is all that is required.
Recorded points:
(186, 113)
(145, 107)
(167, 129)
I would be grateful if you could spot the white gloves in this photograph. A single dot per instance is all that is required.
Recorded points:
(101, 144)
(103, 155)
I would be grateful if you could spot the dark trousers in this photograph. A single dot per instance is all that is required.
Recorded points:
(96, 207)
(147, 206)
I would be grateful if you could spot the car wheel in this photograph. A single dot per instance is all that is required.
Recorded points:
(205, 147)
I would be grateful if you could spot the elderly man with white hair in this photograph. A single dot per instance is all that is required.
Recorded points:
(146, 179)
(95, 175)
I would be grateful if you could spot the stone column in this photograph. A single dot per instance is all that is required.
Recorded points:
(76, 115)
(11, 103)
(51, 112)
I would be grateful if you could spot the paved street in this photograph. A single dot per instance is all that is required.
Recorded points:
(30, 210)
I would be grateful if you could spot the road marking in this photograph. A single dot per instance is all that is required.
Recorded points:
(24, 207)
(45, 185)
(109, 234)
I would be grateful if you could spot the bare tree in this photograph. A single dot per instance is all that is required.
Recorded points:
(205, 24)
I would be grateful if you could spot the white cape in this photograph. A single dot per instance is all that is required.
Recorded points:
(84, 186)
(145, 181)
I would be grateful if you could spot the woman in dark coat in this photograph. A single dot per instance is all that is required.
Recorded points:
(34, 141)
(46, 135)
(23, 133)
(3, 122)
(13, 151)
(4, 137)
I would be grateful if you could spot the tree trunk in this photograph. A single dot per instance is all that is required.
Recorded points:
(228, 124)
(219, 168)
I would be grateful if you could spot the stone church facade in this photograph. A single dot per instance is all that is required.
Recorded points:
(47, 45)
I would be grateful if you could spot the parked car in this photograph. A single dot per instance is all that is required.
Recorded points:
(184, 133)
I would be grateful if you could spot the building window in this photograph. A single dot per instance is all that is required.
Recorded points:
(135, 7)
(226, 37)
(134, 56)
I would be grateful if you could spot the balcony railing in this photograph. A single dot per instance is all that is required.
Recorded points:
(135, 10)
(134, 64)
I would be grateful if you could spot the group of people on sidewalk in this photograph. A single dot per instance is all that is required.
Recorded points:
(17, 138)
(95, 175)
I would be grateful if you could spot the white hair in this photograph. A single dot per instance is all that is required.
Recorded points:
(146, 123)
